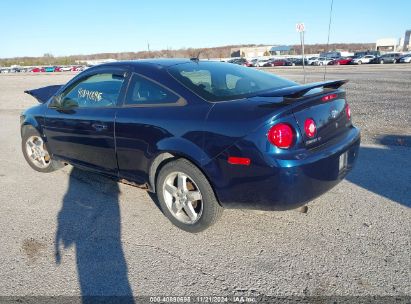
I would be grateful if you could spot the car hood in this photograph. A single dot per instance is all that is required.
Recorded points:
(43, 94)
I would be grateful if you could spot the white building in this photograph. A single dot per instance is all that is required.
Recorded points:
(387, 44)
(251, 52)
(394, 44)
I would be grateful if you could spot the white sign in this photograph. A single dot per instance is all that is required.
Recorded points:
(300, 27)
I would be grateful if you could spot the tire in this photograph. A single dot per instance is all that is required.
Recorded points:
(34, 142)
(381, 61)
(174, 203)
(359, 62)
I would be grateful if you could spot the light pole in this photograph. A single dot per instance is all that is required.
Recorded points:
(301, 29)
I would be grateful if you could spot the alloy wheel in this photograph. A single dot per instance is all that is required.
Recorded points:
(37, 153)
(183, 197)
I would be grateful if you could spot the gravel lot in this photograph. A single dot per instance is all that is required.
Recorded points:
(76, 233)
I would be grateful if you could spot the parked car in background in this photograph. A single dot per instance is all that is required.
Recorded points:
(241, 61)
(82, 68)
(66, 68)
(299, 61)
(278, 62)
(405, 59)
(341, 61)
(261, 62)
(363, 59)
(293, 60)
(167, 125)
(38, 70)
(283, 62)
(331, 55)
(49, 69)
(387, 58)
(322, 61)
(363, 53)
(58, 69)
(311, 60)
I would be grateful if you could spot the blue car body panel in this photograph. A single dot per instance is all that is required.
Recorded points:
(124, 141)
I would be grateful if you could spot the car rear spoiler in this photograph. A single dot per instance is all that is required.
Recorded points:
(44, 94)
(295, 92)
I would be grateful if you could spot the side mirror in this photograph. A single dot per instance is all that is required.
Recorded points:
(55, 102)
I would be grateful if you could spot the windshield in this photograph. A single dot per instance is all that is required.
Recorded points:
(218, 81)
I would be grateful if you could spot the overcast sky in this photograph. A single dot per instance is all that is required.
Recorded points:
(68, 27)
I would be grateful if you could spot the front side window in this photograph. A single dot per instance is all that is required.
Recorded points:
(96, 91)
(142, 91)
(217, 81)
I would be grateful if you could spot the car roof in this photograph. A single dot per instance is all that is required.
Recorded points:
(162, 62)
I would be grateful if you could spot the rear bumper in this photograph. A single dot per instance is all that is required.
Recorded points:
(282, 184)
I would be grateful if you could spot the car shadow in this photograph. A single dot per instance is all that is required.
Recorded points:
(386, 170)
(89, 220)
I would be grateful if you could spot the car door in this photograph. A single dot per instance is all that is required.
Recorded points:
(151, 114)
(79, 122)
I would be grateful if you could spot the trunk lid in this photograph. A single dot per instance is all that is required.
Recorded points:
(323, 102)
(330, 116)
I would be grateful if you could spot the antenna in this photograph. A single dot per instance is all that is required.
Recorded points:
(196, 59)
(328, 39)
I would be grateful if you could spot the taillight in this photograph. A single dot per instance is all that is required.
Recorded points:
(281, 135)
(310, 127)
(348, 111)
(329, 97)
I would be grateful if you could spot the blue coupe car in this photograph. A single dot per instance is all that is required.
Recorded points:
(202, 135)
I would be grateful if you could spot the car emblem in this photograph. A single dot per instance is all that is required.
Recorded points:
(334, 113)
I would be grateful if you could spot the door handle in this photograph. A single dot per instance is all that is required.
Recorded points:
(99, 126)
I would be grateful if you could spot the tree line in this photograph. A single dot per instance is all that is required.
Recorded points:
(202, 53)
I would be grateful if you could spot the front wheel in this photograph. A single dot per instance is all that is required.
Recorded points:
(186, 197)
(381, 61)
(36, 154)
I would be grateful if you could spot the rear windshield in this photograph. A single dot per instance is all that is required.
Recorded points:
(218, 81)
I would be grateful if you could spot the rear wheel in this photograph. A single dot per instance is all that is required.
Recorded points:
(36, 154)
(186, 196)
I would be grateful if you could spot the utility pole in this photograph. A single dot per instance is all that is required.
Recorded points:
(148, 49)
(301, 29)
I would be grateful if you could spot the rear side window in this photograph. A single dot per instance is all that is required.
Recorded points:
(218, 81)
(142, 91)
(201, 78)
(96, 91)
